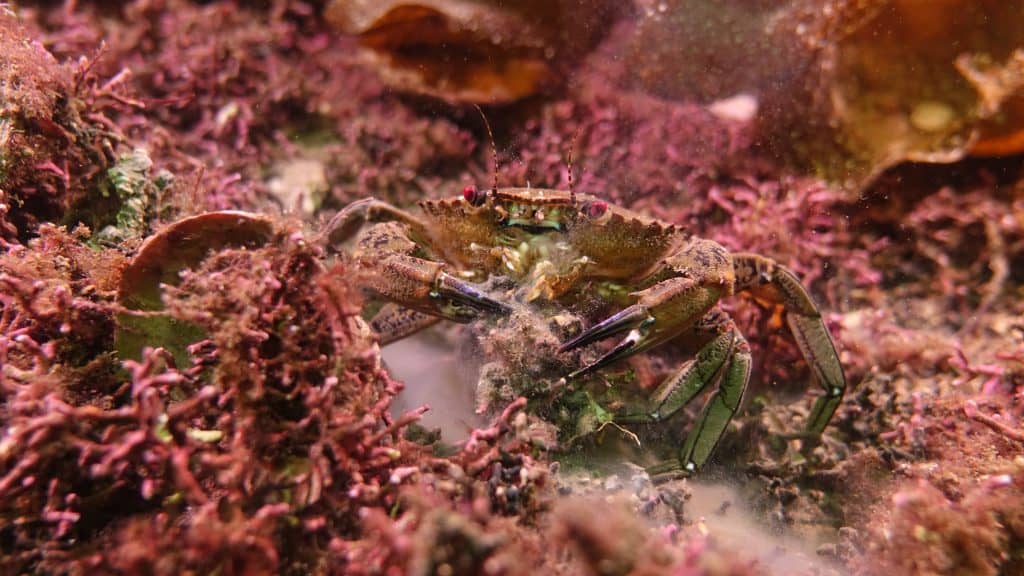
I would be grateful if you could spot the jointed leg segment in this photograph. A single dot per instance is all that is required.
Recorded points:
(393, 322)
(765, 278)
(399, 271)
(724, 361)
(350, 220)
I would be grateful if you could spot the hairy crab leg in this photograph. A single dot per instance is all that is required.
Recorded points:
(393, 323)
(396, 274)
(350, 219)
(765, 278)
(725, 361)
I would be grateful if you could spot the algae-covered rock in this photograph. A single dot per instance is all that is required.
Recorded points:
(472, 50)
(847, 87)
(132, 188)
(47, 151)
(910, 80)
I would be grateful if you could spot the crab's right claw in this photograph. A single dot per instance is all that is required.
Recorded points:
(660, 313)
(390, 265)
(635, 319)
(462, 302)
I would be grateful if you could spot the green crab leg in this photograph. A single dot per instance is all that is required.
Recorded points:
(719, 410)
(394, 322)
(765, 278)
(725, 361)
(693, 376)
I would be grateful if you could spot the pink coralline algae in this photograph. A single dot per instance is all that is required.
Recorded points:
(53, 141)
(223, 455)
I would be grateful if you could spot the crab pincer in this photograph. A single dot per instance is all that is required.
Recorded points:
(634, 318)
(462, 301)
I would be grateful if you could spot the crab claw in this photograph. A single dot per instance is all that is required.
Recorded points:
(461, 302)
(636, 319)
(623, 320)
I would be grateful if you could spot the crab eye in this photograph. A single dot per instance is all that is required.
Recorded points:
(595, 209)
(473, 196)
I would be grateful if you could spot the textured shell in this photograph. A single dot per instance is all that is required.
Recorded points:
(619, 243)
(624, 244)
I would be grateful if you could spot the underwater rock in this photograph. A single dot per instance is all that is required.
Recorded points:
(300, 184)
(1000, 102)
(132, 186)
(48, 153)
(848, 88)
(471, 50)
(908, 80)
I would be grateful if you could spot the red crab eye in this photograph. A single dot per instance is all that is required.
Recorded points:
(473, 196)
(596, 209)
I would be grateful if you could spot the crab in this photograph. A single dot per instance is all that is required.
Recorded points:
(568, 248)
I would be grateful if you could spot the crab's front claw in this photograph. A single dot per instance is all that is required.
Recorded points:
(460, 301)
(661, 312)
(390, 265)
(636, 319)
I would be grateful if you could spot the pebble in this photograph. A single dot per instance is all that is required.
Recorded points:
(641, 482)
(828, 550)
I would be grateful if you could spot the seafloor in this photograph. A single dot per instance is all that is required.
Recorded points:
(212, 401)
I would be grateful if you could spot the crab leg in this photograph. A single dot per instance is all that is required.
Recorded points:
(399, 275)
(346, 223)
(725, 361)
(765, 278)
(720, 409)
(393, 322)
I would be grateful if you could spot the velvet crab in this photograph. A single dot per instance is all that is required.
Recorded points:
(627, 273)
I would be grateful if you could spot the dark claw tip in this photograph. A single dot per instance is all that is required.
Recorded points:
(619, 322)
(464, 293)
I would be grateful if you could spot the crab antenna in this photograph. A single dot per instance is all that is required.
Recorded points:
(494, 148)
(572, 147)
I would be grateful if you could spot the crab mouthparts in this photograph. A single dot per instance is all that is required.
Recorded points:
(531, 224)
